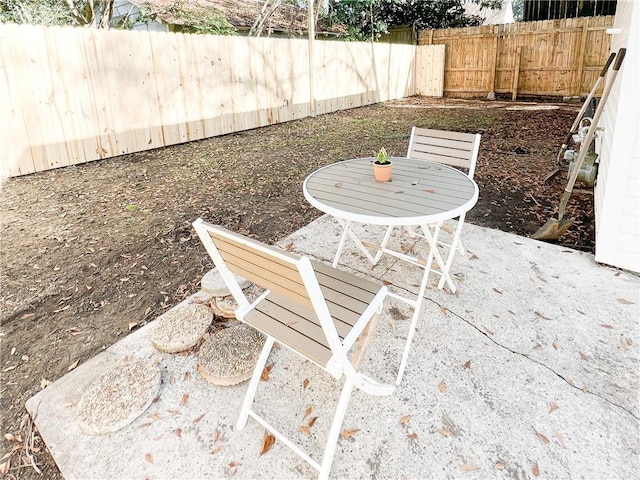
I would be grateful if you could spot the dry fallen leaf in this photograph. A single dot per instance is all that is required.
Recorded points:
(307, 412)
(312, 421)
(537, 346)
(267, 442)
(305, 383)
(442, 386)
(288, 247)
(625, 344)
(413, 436)
(541, 437)
(610, 327)
(558, 436)
(348, 433)
(553, 407)
(405, 419)
(73, 365)
(216, 436)
(499, 466)
(467, 364)
(541, 316)
(535, 470)
(443, 310)
(497, 291)
(304, 430)
(624, 301)
(198, 418)
(185, 399)
(216, 450)
(265, 372)
(148, 458)
(490, 332)
(555, 345)
(446, 432)
(583, 356)
(467, 467)
(178, 432)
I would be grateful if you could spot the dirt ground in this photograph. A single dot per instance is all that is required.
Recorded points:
(90, 253)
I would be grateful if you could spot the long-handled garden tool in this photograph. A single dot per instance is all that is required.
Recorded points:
(576, 122)
(555, 228)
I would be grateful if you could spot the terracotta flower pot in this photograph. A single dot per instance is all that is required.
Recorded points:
(382, 171)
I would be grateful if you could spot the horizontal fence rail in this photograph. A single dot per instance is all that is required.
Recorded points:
(546, 58)
(73, 95)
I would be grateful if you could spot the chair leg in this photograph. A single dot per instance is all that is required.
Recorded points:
(412, 326)
(336, 425)
(253, 384)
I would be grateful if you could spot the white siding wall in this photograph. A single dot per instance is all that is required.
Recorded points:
(617, 197)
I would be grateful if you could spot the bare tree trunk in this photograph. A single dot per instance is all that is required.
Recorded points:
(265, 13)
(106, 14)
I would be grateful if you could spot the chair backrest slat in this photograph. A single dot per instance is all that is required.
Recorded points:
(267, 267)
(457, 149)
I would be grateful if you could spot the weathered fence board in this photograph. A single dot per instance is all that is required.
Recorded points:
(429, 66)
(72, 95)
(558, 57)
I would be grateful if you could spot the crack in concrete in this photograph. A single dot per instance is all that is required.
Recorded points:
(535, 361)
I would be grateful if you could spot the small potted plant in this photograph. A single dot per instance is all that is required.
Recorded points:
(382, 166)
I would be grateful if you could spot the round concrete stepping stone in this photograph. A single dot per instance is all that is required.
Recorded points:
(226, 306)
(181, 328)
(229, 356)
(213, 283)
(118, 397)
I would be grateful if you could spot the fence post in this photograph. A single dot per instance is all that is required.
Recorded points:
(492, 71)
(311, 33)
(583, 46)
(516, 74)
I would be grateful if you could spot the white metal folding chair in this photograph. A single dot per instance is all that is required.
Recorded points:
(456, 149)
(315, 310)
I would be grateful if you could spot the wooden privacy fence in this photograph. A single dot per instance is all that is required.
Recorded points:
(72, 95)
(552, 57)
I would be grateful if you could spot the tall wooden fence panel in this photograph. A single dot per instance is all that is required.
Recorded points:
(553, 57)
(71, 95)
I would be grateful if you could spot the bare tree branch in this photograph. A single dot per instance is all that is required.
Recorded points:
(265, 14)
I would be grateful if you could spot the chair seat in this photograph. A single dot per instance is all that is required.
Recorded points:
(298, 328)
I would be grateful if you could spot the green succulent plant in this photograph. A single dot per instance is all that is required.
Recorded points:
(382, 156)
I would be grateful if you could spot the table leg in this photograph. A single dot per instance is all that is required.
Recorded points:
(455, 245)
(432, 239)
(347, 232)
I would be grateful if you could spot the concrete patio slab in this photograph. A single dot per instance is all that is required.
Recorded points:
(530, 369)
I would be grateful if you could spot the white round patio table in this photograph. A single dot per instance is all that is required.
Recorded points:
(420, 193)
